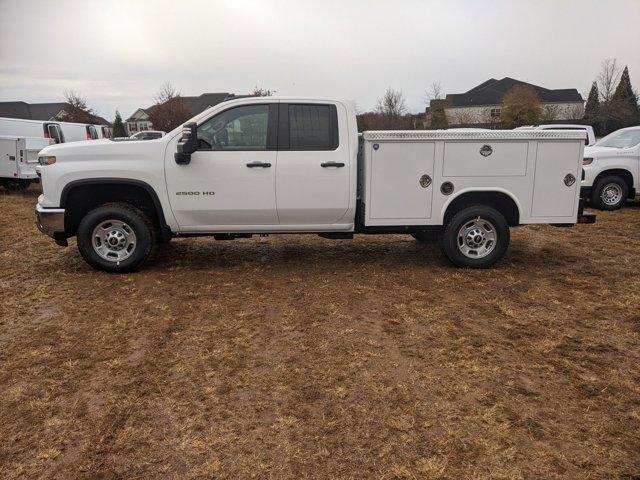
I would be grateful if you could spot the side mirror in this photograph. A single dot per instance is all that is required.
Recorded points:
(187, 144)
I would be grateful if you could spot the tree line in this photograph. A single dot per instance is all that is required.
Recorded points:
(611, 104)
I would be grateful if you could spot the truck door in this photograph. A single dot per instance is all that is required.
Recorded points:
(8, 158)
(312, 180)
(231, 178)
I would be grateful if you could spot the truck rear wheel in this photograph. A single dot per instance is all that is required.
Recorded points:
(609, 193)
(476, 237)
(115, 237)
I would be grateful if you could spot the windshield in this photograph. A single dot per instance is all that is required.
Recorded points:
(621, 139)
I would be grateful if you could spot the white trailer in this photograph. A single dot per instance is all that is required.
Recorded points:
(18, 160)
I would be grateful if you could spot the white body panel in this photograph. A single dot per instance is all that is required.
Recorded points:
(606, 159)
(17, 127)
(529, 167)
(74, 132)
(216, 192)
(19, 156)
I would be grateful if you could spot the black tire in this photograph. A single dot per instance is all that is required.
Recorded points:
(494, 251)
(133, 219)
(605, 187)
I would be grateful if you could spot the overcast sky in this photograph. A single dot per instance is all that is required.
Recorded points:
(118, 53)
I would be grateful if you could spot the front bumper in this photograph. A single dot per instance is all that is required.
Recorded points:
(50, 221)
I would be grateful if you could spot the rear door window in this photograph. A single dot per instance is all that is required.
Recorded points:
(311, 127)
(55, 133)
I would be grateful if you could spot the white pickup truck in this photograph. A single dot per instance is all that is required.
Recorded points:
(297, 165)
(612, 169)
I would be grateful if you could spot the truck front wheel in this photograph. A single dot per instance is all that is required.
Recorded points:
(115, 237)
(610, 193)
(476, 237)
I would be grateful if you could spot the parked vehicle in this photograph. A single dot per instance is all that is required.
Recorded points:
(17, 127)
(103, 131)
(612, 169)
(263, 165)
(148, 135)
(18, 160)
(591, 137)
(76, 132)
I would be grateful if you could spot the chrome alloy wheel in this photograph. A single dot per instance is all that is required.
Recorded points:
(611, 194)
(113, 240)
(477, 238)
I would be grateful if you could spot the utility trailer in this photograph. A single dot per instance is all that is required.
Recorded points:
(18, 160)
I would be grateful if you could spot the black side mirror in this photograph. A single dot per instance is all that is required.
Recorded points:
(187, 144)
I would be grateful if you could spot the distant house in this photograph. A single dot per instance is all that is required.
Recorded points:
(139, 120)
(481, 106)
(39, 111)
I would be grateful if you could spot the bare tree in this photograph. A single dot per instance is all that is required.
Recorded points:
(261, 92)
(167, 92)
(392, 104)
(78, 110)
(169, 111)
(608, 78)
(434, 92)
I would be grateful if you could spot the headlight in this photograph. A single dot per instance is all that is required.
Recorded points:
(46, 160)
(587, 161)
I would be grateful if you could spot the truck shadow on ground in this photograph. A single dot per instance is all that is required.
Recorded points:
(305, 254)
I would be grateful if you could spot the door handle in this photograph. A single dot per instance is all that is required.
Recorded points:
(258, 165)
(332, 164)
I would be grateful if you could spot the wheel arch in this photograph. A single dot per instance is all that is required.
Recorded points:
(623, 173)
(96, 191)
(500, 199)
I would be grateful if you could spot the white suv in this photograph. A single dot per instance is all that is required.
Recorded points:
(612, 169)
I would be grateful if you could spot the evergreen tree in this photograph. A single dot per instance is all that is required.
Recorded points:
(624, 103)
(118, 126)
(592, 108)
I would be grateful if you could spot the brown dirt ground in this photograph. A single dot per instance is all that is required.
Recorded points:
(299, 357)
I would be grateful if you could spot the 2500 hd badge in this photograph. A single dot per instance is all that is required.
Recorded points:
(195, 193)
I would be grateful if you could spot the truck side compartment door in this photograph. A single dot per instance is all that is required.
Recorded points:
(232, 176)
(401, 182)
(312, 179)
(8, 158)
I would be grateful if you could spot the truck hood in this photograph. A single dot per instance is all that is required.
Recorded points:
(596, 151)
(104, 150)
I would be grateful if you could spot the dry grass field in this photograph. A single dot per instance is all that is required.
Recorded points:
(299, 357)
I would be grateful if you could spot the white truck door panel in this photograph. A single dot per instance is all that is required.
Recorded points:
(480, 159)
(396, 170)
(314, 164)
(218, 188)
(551, 196)
(231, 179)
(8, 158)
